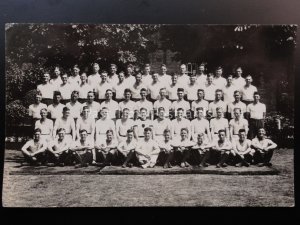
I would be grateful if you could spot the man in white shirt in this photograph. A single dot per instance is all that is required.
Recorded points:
(84, 88)
(66, 88)
(181, 103)
(103, 86)
(146, 77)
(219, 123)
(172, 88)
(160, 124)
(200, 125)
(94, 78)
(74, 105)
(34, 149)
(162, 102)
(154, 87)
(126, 149)
(219, 80)
(166, 150)
(236, 124)
(179, 123)
(209, 89)
(127, 103)
(183, 78)
(111, 105)
(263, 148)
(35, 109)
(229, 90)
(94, 106)
(239, 81)
(46, 89)
(217, 103)
(248, 90)
(192, 89)
(104, 124)
(119, 87)
(164, 77)
(113, 76)
(74, 79)
(144, 103)
(201, 76)
(147, 150)
(137, 87)
(237, 103)
(56, 80)
(202, 149)
(55, 110)
(46, 126)
(200, 102)
(141, 123)
(129, 77)
(221, 149)
(256, 112)
(86, 122)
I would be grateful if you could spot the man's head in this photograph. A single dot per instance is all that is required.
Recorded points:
(210, 78)
(229, 79)
(222, 135)
(183, 68)
(143, 93)
(138, 78)
(219, 71)
(201, 68)
(239, 71)
(90, 96)
(180, 113)
(248, 80)
(56, 97)
(74, 96)
(200, 112)
(193, 78)
(127, 94)
(76, 70)
(129, 135)
(237, 112)
(163, 93)
(219, 94)
(163, 69)
(174, 78)
(61, 133)
(66, 112)
(38, 98)
(180, 93)
(130, 69)
(237, 96)
(83, 134)
(147, 133)
(167, 134)
(104, 76)
(109, 94)
(56, 71)
(104, 112)
(83, 78)
(64, 78)
(109, 135)
(125, 113)
(147, 69)
(242, 134)
(46, 77)
(96, 67)
(155, 77)
(121, 76)
(85, 111)
(44, 113)
(113, 68)
(161, 112)
(200, 138)
(261, 132)
(184, 133)
(143, 113)
(200, 94)
(256, 96)
(37, 134)
(219, 111)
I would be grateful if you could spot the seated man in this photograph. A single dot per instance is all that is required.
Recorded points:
(147, 150)
(222, 148)
(182, 147)
(166, 149)
(34, 149)
(82, 150)
(264, 148)
(126, 149)
(58, 149)
(202, 147)
(242, 150)
(106, 148)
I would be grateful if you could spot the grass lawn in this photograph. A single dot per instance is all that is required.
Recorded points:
(153, 190)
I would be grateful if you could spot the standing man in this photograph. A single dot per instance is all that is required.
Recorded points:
(183, 78)
(86, 122)
(237, 103)
(84, 88)
(162, 102)
(146, 77)
(93, 106)
(56, 80)
(154, 87)
(127, 103)
(75, 106)
(164, 77)
(119, 87)
(137, 87)
(209, 89)
(219, 80)
(172, 88)
(103, 86)
(236, 124)
(200, 125)
(35, 109)
(229, 90)
(113, 76)
(248, 90)
(74, 80)
(111, 105)
(256, 112)
(179, 123)
(129, 78)
(217, 103)
(104, 124)
(123, 125)
(55, 110)
(264, 148)
(239, 81)
(201, 77)
(94, 78)
(181, 103)
(192, 89)
(200, 102)
(144, 103)
(66, 88)
(45, 125)
(46, 89)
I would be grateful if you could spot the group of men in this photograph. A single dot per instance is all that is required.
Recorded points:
(147, 119)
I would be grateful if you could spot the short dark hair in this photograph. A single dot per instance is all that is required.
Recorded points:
(242, 130)
(82, 130)
(147, 129)
(180, 89)
(220, 131)
(37, 130)
(61, 129)
(66, 109)
(109, 131)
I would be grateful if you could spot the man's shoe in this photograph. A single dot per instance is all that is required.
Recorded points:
(239, 165)
(182, 165)
(224, 165)
(218, 166)
(187, 164)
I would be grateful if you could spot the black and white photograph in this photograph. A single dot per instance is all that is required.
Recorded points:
(119, 115)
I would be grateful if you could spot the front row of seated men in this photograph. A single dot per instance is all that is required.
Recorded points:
(148, 153)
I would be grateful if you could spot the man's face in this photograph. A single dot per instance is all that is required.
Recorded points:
(239, 72)
(147, 134)
(201, 69)
(129, 70)
(83, 78)
(237, 96)
(36, 136)
(182, 69)
(256, 98)
(261, 132)
(66, 113)
(180, 113)
(248, 80)
(192, 79)
(57, 72)
(129, 136)
(138, 78)
(167, 136)
(164, 70)
(104, 77)
(96, 68)
(200, 139)
(143, 114)
(219, 72)
(113, 69)
(180, 94)
(147, 70)
(64, 79)
(108, 95)
(57, 99)
(121, 77)
(104, 113)
(155, 77)
(161, 114)
(242, 136)
(200, 94)
(90, 97)
(43, 114)
(74, 96)
(229, 80)
(199, 113)
(46, 78)
(143, 94)
(127, 95)
(183, 134)
(162, 93)
(210, 80)
(38, 98)
(174, 79)
(76, 70)
(125, 114)
(237, 113)
(222, 136)
(83, 136)
(85, 112)
(61, 135)
(218, 95)
(219, 113)
(109, 136)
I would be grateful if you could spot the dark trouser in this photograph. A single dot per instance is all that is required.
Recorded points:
(165, 157)
(254, 125)
(238, 159)
(218, 157)
(82, 100)
(64, 101)
(64, 157)
(181, 156)
(263, 157)
(106, 157)
(247, 102)
(135, 99)
(47, 101)
(82, 157)
(40, 157)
